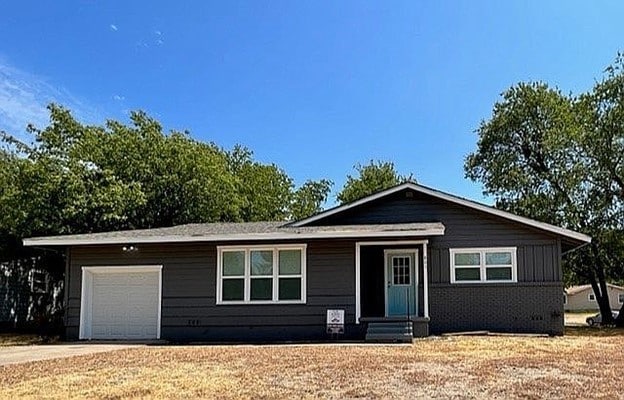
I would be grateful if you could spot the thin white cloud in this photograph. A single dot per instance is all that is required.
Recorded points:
(25, 96)
(113, 27)
(157, 33)
(119, 97)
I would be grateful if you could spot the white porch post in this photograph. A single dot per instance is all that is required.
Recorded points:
(425, 282)
(358, 310)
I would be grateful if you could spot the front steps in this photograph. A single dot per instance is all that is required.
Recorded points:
(390, 331)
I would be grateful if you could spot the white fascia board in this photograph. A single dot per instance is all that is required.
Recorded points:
(437, 231)
(452, 199)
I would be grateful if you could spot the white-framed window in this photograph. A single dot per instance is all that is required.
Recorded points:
(38, 281)
(621, 298)
(261, 274)
(591, 297)
(477, 265)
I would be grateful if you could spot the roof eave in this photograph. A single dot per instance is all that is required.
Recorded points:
(34, 242)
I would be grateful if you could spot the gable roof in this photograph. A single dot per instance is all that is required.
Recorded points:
(572, 290)
(236, 231)
(566, 233)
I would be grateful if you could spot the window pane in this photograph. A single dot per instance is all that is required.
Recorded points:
(467, 259)
(498, 274)
(290, 289)
(262, 262)
(262, 289)
(502, 258)
(233, 289)
(290, 262)
(233, 263)
(467, 274)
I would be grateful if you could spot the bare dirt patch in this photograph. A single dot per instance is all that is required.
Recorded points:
(457, 367)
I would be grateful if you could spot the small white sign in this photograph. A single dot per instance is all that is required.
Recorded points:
(335, 317)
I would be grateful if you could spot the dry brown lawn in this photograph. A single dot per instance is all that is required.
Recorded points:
(11, 339)
(454, 367)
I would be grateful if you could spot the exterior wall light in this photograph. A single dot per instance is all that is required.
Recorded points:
(130, 248)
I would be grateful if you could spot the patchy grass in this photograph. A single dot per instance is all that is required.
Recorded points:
(17, 339)
(456, 367)
(596, 331)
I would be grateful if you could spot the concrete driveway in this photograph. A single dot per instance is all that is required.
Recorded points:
(22, 354)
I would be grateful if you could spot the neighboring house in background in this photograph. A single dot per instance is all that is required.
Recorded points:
(578, 298)
(403, 262)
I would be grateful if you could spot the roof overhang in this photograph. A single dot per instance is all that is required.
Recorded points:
(575, 237)
(429, 229)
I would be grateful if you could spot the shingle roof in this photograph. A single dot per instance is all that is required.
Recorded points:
(225, 231)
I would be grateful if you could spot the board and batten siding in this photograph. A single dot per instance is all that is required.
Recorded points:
(189, 310)
(533, 304)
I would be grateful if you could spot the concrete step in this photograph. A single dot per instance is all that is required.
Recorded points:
(389, 338)
(387, 329)
(390, 331)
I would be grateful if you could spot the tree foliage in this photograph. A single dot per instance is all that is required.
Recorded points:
(559, 158)
(372, 177)
(77, 178)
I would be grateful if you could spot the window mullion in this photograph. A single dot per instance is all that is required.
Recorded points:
(247, 277)
(483, 267)
(275, 274)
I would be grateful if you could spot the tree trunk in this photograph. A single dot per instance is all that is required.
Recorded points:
(599, 285)
(619, 321)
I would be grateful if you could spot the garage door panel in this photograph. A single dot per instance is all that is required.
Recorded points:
(125, 305)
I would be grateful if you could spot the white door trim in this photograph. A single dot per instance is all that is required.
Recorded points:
(358, 276)
(413, 270)
(86, 293)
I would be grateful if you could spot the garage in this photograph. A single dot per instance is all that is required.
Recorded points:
(121, 302)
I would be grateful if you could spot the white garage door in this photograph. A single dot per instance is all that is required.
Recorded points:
(124, 303)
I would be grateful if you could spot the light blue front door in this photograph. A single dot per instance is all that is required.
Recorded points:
(401, 283)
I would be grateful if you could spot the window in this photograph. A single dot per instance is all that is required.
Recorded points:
(38, 281)
(591, 297)
(565, 298)
(261, 274)
(621, 298)
(401, 270)
(483, 265)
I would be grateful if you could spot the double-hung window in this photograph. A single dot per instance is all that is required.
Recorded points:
(261, 274)
(496, 264)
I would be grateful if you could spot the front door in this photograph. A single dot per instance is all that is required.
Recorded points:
(401, 282)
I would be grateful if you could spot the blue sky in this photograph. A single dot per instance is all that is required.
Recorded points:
(312, 86)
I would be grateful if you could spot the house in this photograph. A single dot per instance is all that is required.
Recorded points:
(407, 261)
(580, 298)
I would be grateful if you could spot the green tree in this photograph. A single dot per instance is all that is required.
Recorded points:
(79, 178)
(372, 177)
(309, 198)
(558, 158)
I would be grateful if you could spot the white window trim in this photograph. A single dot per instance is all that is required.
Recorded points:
(482, 267)
(86, 293)
(247, 275)
(590, 295)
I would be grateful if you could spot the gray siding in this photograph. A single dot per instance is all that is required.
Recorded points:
(580, 301)
(534, 304)
(189, 310)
